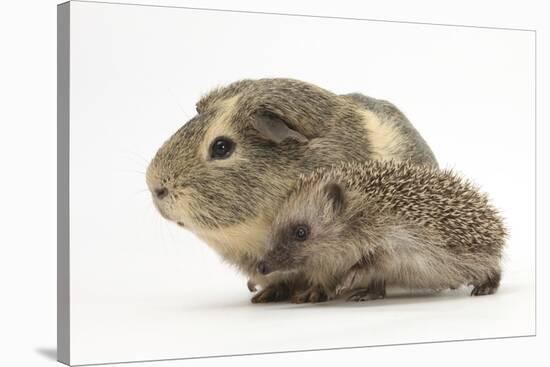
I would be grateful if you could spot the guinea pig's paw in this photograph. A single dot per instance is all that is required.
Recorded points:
(272, 293)
(313, 294)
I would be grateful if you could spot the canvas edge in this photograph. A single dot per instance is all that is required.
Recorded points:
(63, 250)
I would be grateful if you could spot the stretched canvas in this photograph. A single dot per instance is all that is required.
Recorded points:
(133, 286)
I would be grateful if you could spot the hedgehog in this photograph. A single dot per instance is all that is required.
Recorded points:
(356, 228)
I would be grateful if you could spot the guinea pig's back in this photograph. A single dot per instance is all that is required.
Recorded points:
(413, 147)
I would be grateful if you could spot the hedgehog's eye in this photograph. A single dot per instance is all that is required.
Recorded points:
(301, 233)
(221, 148)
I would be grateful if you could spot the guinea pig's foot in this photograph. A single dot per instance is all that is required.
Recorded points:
(272, 293)
(313, 294)
(375, 290)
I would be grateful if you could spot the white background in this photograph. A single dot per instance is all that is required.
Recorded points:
(143, 289)
(29, 187)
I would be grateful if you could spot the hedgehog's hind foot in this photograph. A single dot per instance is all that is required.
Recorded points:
(375, 290)
(483, 290)
(490, 286)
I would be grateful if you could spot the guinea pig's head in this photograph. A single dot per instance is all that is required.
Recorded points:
(237, 157)
(307, 229)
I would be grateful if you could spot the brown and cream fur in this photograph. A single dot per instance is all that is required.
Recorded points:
(375, 223)
(281, 128)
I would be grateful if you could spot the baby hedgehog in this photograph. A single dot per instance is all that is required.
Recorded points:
(356, 228)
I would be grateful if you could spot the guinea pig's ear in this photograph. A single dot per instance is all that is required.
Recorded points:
(274, 128)
(199, 106)
(335, 196)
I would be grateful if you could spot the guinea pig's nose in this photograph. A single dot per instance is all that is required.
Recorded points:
(263, 268)
(160, 192)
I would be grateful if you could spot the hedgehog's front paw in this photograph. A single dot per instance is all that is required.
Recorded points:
(348, 282)
(251, 286)
(361, 295)
(272, 293)
(375, 290)
(313, 294)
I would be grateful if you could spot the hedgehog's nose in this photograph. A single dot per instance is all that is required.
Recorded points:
(263, 268)
(160, 192)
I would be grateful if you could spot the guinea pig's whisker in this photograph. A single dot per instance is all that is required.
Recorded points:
(141, 158)
(173, 95)
(133, 171)
(170, 228)
(165, 240)
(132, 195)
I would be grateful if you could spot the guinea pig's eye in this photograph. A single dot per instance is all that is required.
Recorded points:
(301, 233)
(221, 148)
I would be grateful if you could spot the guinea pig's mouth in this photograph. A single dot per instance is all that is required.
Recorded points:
(165, 215)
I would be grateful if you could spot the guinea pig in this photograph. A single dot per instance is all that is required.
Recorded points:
(361, 226)
(225, 171)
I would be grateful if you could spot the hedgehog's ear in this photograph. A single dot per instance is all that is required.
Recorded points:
(335, 196)
(274, 128)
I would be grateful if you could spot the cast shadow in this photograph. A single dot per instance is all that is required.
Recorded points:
(405, 298)
(49, 353)
(394, 298)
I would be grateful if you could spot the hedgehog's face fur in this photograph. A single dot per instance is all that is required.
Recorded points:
(306, 228)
